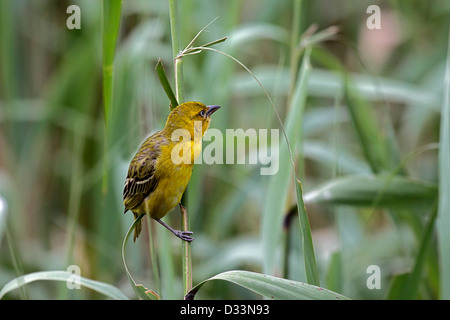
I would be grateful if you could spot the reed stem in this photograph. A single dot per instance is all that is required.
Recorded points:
(178, 70)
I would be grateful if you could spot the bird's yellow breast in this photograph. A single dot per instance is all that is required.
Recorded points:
(173, 178)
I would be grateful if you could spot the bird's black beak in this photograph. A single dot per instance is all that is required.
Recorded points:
(211, 110)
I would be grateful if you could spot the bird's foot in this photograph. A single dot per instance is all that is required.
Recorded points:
(184, 235)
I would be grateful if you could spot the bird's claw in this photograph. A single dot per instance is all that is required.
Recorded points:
(184, 235)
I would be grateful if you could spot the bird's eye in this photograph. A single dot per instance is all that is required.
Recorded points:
(202, 113)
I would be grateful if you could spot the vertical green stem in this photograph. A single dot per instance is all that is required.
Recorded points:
(179, 79)
(186, 254)
(174, 28)
(176, 48)
(178, 68)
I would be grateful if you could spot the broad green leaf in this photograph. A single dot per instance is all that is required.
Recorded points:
(271, 287)
(374, 190)
(100, 287)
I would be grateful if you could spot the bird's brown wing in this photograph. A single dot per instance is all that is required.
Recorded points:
(141, 179)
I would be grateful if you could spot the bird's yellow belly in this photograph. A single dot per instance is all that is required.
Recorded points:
(168, 193)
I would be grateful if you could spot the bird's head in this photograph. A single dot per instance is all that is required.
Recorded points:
(192, 116)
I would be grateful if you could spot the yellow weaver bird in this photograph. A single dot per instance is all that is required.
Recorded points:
(161, 169)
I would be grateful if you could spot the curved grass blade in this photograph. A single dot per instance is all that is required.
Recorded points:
(271, 287)
(274, 206)
(289, 134)
(100, 287)
(139, 289)
(270, 238)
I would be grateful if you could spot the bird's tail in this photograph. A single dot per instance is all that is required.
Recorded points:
(137, 227)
